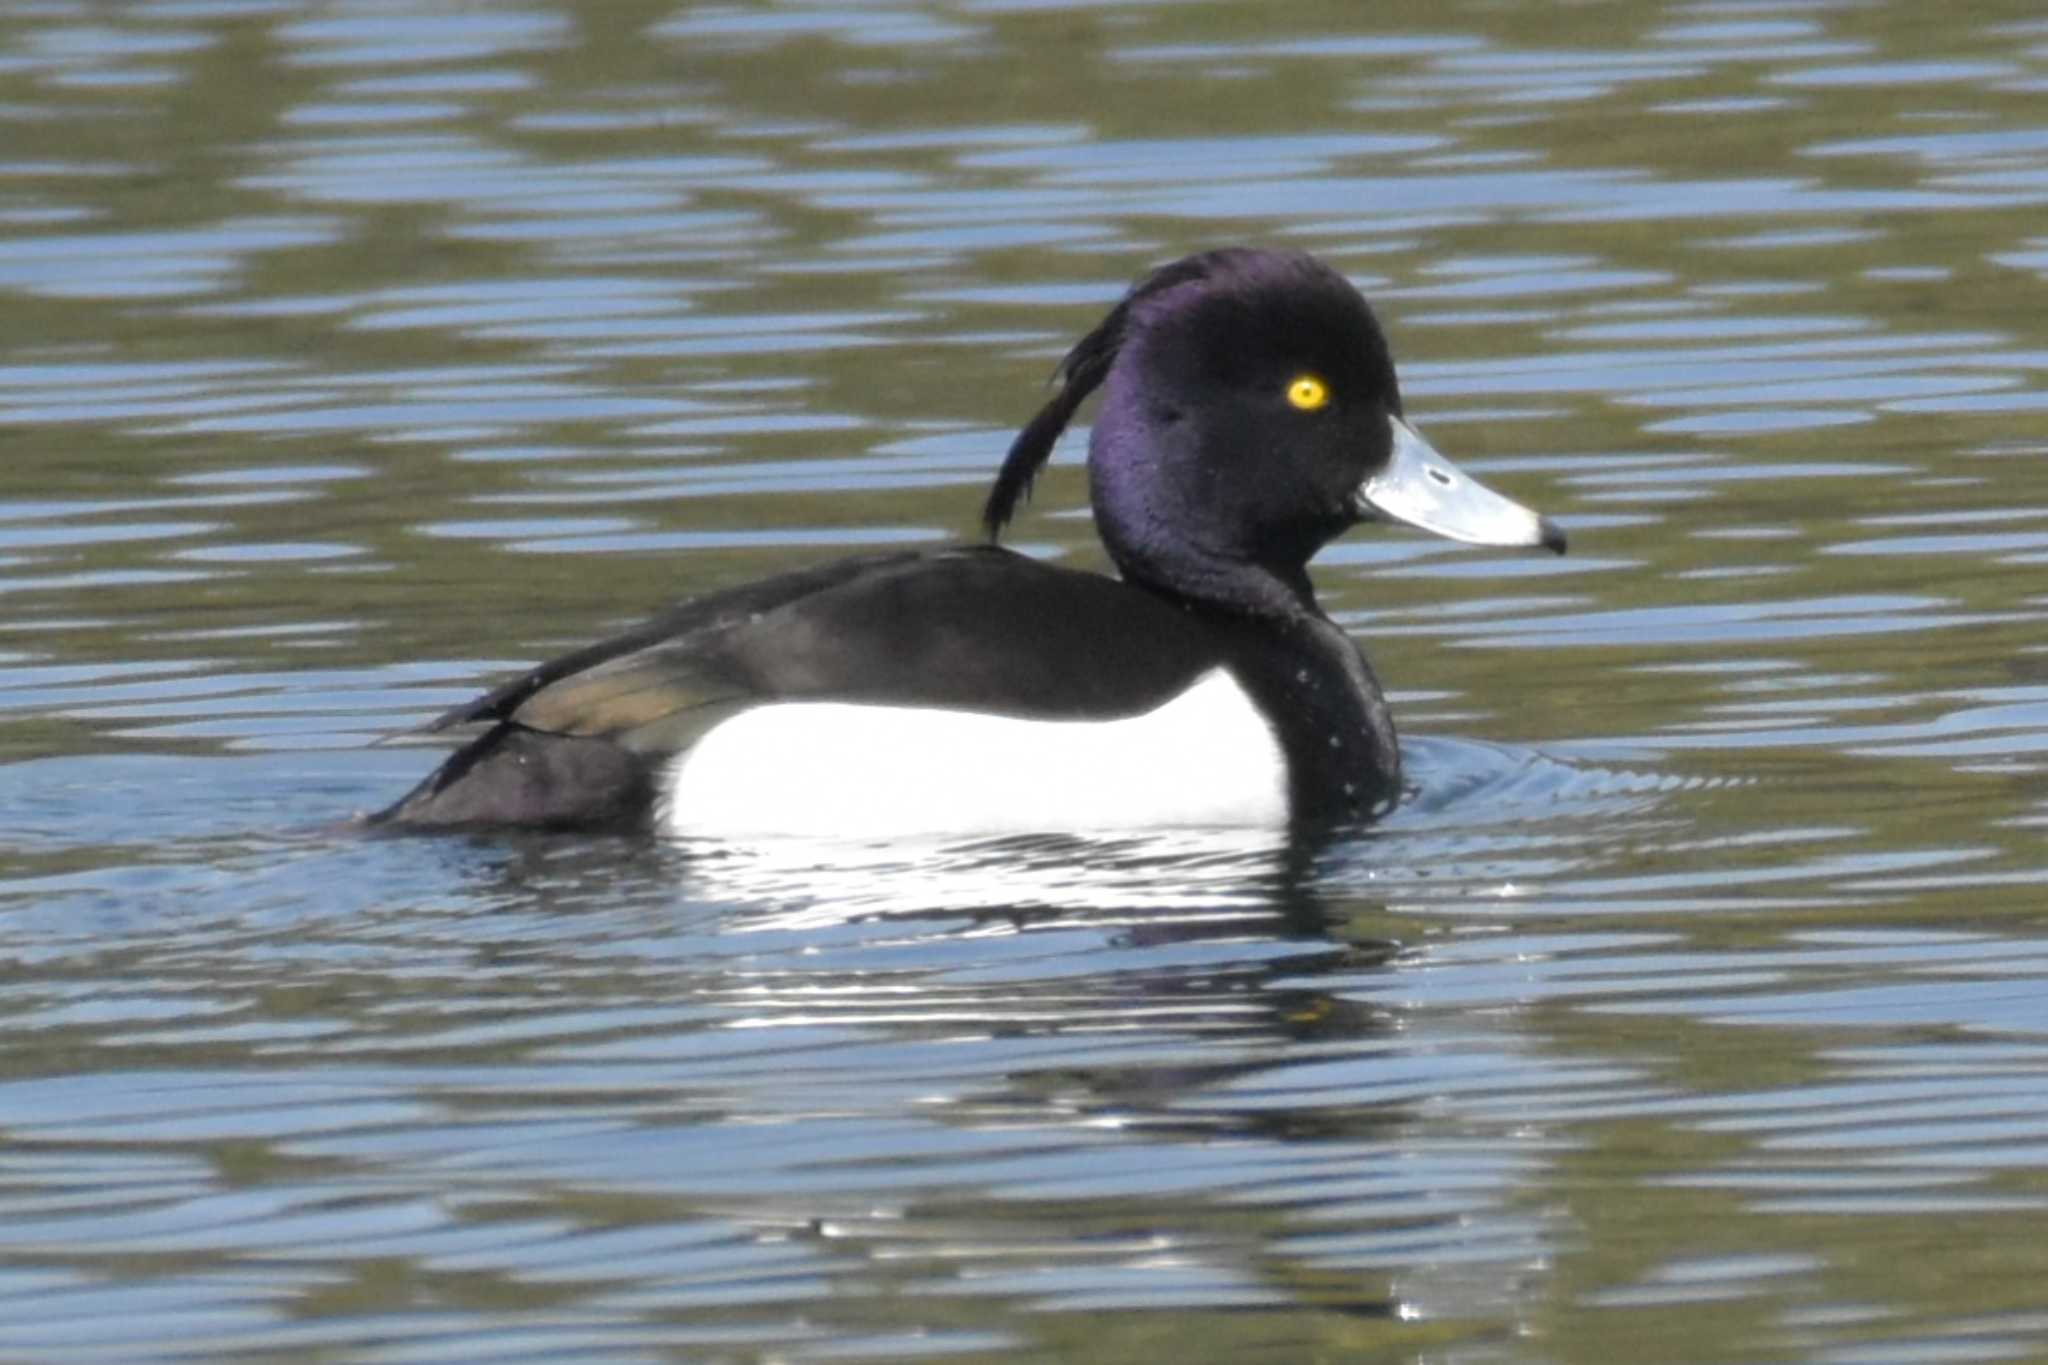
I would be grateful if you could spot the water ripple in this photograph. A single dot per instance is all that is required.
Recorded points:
(363, 357)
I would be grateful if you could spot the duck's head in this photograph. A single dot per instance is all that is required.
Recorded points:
(1250, 415)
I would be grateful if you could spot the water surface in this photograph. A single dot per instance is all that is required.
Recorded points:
(358, 355)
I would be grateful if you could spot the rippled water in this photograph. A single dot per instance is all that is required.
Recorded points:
(1695, 1006)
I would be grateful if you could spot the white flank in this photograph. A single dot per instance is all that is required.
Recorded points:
(1204, 758)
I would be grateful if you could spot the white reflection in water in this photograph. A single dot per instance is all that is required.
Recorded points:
(806, 883)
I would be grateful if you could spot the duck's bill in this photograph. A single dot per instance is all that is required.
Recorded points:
(1424, 489)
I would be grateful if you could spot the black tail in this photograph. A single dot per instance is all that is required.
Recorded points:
(512, 776)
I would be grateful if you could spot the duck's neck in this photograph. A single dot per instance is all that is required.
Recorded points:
(1166, 543)
(1185, 574)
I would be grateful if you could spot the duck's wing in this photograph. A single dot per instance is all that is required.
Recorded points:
(676, 627)
(576, 741)
(974, 628)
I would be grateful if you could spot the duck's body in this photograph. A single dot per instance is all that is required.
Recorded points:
(708, 720)
(1250, 415)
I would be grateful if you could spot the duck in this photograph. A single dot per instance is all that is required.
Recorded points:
(1249, 415)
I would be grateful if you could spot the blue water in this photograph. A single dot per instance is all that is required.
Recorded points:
(1690, 1006)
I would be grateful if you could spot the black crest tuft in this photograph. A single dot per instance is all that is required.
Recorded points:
(1078, 375)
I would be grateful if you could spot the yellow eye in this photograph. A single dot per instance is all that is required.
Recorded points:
(1308, 393)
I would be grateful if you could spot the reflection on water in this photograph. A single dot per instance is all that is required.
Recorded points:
(824, 881)
(358, 357)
